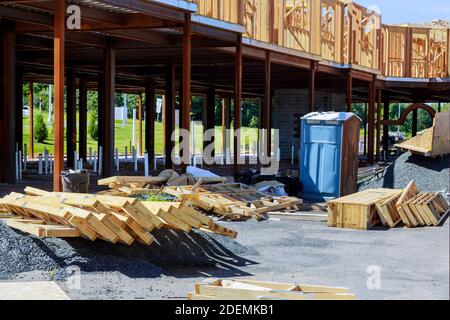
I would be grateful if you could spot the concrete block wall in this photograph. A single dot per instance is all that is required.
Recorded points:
(288, 103)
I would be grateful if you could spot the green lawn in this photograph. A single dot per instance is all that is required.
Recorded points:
(124, 136)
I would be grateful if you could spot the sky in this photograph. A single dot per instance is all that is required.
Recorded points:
(402, 11)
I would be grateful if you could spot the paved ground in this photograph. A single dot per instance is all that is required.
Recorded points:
(411, 263)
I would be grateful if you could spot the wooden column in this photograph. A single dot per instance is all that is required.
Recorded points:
(150, 117)
(226, 107)
(386, 128)
(8, 114)
(108, 120)
(169, 115)
(415, 124)
(371, 120)
(58, 81)
(210, 119)
(237, 104)
(186, 94)
(83, 97)
(31, 97)
(312, 88)
(267, 103)
(349, 91)
(378, 136)
(365, 128)
(18, 109)
(100, 109)
(71, 108)
(439, 106)
(141, 116)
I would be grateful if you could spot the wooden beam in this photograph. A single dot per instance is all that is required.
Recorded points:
(210, 118)
(237, 105)
(371, 120)
(31, 98)
(108, 120)
(83, 97)
(71, 130)
(226, 107)
(349, 91)
(186, 95)
(58, 67)
(19, 108)
(312, 88)
(268, 103)
(378, 136)
(141, 116)
(150, 117)
(386, 128)
(169, 114)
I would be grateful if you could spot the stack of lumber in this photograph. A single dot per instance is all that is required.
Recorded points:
(389, 207)
(217, 289)
(131, 186)
(113, 219)
(233, 201)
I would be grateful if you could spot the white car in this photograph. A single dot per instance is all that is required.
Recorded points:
(26, 111)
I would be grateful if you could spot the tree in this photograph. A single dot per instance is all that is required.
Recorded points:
(93, 125)
(40, 128)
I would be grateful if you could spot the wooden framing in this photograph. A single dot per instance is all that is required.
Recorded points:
(31, 98)
(150, 112)
(169, 114)
(185, 113)
(237, 105)
(82, 136)
(71, 127)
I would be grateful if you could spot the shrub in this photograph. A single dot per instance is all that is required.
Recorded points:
(93, 126)
(40, 128)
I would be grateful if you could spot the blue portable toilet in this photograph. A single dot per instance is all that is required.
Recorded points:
(329, 155)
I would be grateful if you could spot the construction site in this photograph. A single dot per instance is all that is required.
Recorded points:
(222, 150)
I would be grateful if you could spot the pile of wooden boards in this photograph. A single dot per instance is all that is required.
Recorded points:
(217, 289)
(131, 186)
(233, 201)
(113, 219)
(389, 207)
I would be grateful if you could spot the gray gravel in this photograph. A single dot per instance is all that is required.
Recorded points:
(22, 253)
(432, 175)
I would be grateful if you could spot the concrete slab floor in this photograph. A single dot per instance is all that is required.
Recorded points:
(377, 264)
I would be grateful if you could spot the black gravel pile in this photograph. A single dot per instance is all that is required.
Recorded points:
(22, 253)
(432, 175)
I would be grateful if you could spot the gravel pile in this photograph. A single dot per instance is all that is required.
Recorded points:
(432, 175)
(22, 253)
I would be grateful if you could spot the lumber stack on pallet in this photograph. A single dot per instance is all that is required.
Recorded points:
(218, 289)
(391, 208)
(113, 219)
(233, 201)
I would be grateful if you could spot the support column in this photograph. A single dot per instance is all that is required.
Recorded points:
(210, 119)
(8, 113)
(226, 107)
(378, 136)
(267, 103)
(371, 119)
(169, 115)
(349, 91)
(386, 128)
(141, 116)
(186, 100)
(83, 97)
(71, 108)
(58, 67)
(365, 128)
(312, 88)
(237, 105)
(439, 106)
(108, 121)
(18, 109)
(31, 98)
(150, 112)
(415, 124)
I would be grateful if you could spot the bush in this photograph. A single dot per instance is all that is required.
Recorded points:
(254, 122)
(93, 126)
(40, 129)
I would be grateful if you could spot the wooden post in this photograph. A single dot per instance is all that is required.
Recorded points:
(7, 113)
(71, 134)
(378, 137)
(19, 109)
(237, 104)
(371, 119)
(58, 67)
(31, 97)
(226, 107)
(415, 120)
(169, 111)
(186, 95)
(312, 88)
(349, 91)
(141, 116)
(439, 107)
(83, 96)
(365, 128)
(108, 119)
(267, 103)
(150, 112)
(386, 128)
(210, 119)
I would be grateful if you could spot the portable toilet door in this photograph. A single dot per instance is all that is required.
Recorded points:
(329, 155)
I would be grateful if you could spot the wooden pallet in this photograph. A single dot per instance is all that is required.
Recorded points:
(358, 211)
(233, 201)
(113, 219)
(409, 220)
(428, 208)
(218, 289)
(388, 212)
